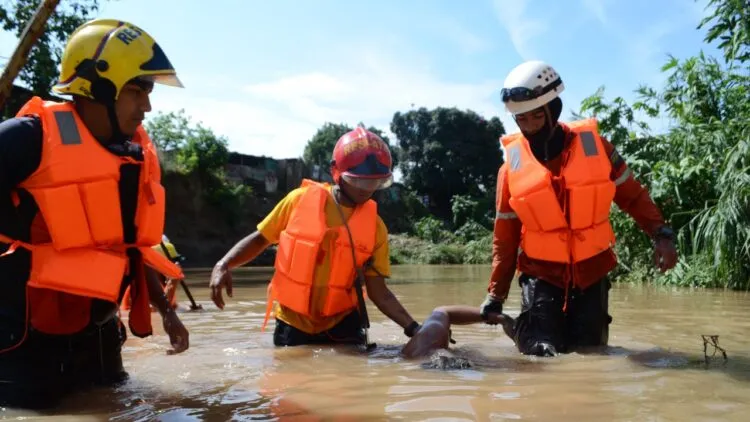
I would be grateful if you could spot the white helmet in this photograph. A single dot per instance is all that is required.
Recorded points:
(530, 85)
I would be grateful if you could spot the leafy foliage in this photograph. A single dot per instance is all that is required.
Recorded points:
(447, 152)
(699, 171)
(169, 131)
(319, 149)
(195, 150)
(478, 211)
(731, 25)
(399, 208)
(41, 69)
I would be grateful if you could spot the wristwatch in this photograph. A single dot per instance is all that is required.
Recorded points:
(411, 329)
(664, 232)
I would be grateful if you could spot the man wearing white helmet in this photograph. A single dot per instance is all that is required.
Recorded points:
(554, 194)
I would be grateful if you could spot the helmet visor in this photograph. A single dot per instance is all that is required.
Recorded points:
(164, 78)
(368, 183)
(520, 94)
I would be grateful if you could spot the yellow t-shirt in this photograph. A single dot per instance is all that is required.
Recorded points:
(271, 228)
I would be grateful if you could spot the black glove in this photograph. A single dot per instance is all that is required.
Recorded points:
(490, 304)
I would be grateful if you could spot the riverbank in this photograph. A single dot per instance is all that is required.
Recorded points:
(204, 232)
(406, 249)
(409, 251)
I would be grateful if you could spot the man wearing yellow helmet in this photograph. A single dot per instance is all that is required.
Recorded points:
(169, 251)
(81, 204)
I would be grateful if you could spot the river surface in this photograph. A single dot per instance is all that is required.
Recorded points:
(654, 369)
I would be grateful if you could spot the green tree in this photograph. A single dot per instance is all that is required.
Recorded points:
(699, 171)
(204, 154)
(41, 70)
(399, 208)
(479, 210)
(447, 152)
(731, 25)
(170, 130)
(319, 149)
(195, 149)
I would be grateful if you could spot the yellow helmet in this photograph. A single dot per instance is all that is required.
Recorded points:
(102, 55)
(168, 250)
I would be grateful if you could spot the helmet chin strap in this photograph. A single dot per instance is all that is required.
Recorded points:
(338, 180)
(103, 91)
(116, 137)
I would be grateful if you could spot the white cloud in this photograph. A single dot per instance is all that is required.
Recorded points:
(522, 27)
(276, 118)
(646, 50)
(461, 36)
(697, 9)
(597, 8)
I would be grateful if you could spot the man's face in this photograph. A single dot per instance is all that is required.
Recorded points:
(358, 195)
(532, 121)
(132, 105)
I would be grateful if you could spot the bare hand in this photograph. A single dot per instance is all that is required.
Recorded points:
(665, 254)
(220, 278)
(178, 334)
(505, 321)
(495, 318)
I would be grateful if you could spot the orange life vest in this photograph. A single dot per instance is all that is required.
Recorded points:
(83, 255)
(127, 301)
(580, 228)
(300, 246)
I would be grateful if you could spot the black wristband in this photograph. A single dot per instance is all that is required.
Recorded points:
(411, 329)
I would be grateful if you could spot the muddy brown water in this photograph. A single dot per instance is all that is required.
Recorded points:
(653, 369)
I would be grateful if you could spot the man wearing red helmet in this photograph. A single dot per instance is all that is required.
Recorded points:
(316, 282)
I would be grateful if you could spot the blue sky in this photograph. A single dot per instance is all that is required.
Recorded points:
(267, 74)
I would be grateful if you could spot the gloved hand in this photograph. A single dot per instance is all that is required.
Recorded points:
(412, 329)
(665, 253)
(490, 305)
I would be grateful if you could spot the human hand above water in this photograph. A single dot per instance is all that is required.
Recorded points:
(179, 337)
(220, 278)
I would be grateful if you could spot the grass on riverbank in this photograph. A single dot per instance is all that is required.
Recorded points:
(412, 250)
(691, 271)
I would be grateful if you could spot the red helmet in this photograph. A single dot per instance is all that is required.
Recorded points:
(363, 159)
